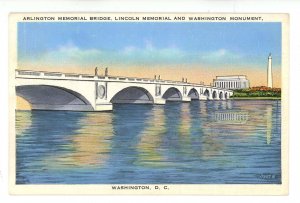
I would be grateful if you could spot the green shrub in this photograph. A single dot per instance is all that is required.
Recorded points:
(257, 92)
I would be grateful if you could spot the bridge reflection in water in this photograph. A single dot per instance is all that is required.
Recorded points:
(197, 142)
(231, 117)
(89, 146)
(151, 139)
(65, 139)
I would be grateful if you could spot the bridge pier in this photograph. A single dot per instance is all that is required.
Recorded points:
(186, 99)
(159, 101)
(210, 97)
(107, 106)
(202, 97)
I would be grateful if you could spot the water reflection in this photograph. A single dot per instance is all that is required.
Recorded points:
(184, 129)
(231, 117)
(24, 122)
(148, 148)
(269, 112)
(90, 145)
(252, 118)
(64, 140)
(197, 142)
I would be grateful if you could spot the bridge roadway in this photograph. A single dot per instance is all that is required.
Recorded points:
(80, 92)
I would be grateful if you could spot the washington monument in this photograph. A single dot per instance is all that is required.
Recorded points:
(270, 81)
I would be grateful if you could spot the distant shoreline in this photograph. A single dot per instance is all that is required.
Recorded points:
(257, 93)
(255, 98)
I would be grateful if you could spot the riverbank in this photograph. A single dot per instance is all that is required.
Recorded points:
(255, 98)
(257, 93)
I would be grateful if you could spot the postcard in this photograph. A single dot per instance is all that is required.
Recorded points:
(149, 103)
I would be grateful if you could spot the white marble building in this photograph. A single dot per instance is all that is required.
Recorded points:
(231, 82)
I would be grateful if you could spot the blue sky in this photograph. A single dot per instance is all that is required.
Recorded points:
(209, 44)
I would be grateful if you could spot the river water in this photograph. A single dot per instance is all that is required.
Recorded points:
(211, 142)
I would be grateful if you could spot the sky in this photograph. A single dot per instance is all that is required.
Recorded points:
(197, 51)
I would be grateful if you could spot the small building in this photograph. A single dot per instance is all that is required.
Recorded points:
(232, 82)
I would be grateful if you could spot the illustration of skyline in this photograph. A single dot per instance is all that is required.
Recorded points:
(197, 51)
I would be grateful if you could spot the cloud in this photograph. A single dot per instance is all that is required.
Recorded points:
(129, 50)
(149, 45)
(70, 54)
(150, 55)
(220, 55)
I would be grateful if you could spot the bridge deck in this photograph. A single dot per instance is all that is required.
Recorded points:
(86, 77)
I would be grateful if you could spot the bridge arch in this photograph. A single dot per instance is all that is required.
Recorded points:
(134, 95)
(221, 95)
(226, 95)
(206, 93)
(44, 97)
(172, 94)
(193, 94)
(214, 94)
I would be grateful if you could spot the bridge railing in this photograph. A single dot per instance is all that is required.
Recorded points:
(59, 75)
(86, 76)
(72, 75)
(52, 74)
(29, 73)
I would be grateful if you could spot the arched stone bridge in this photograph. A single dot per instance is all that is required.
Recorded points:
(78, 92)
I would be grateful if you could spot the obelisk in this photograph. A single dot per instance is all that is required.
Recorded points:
(270, 80)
